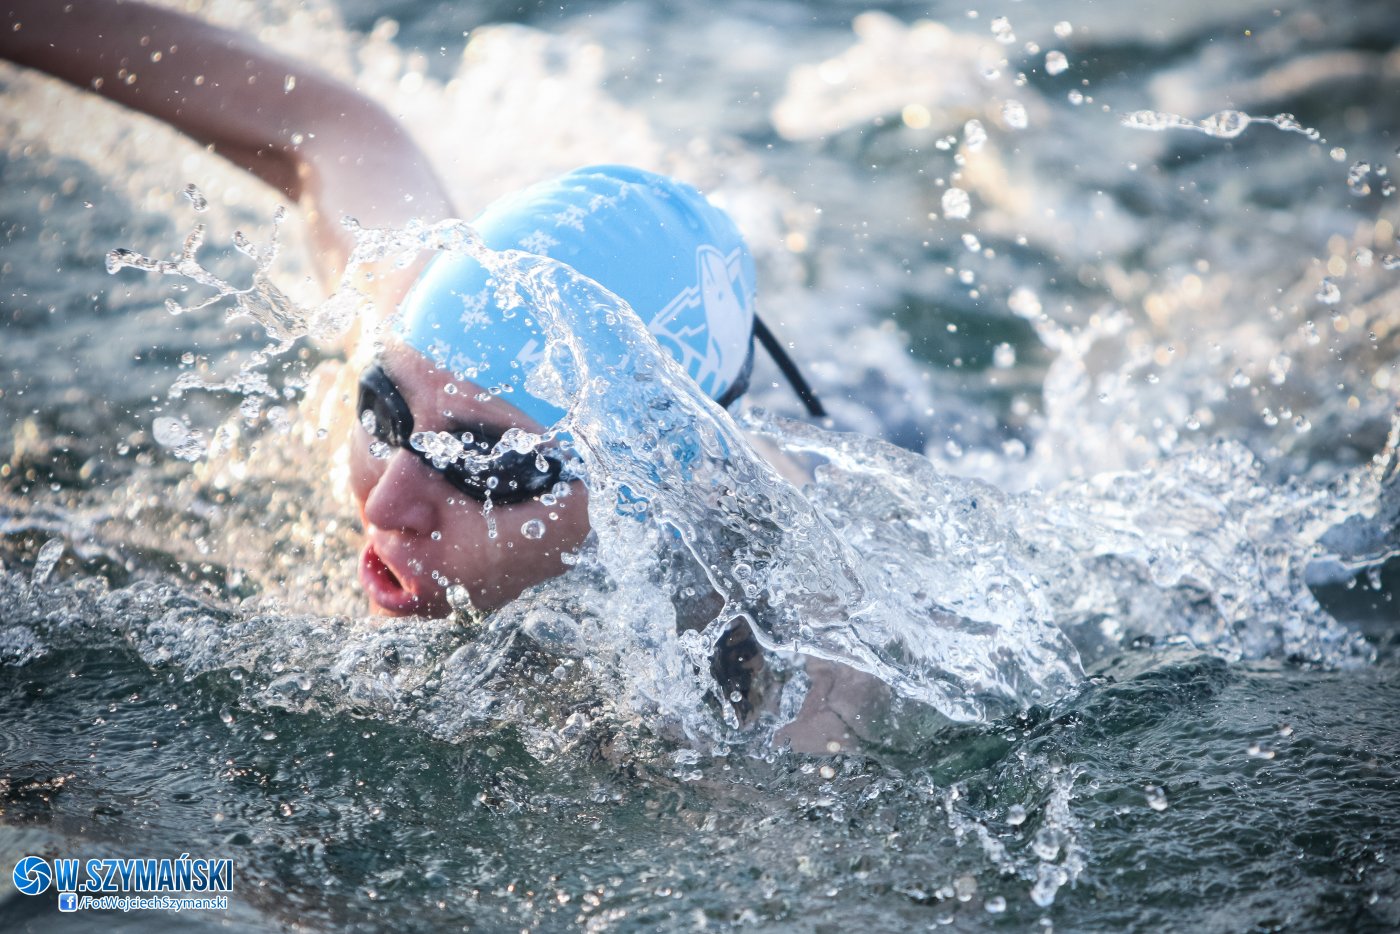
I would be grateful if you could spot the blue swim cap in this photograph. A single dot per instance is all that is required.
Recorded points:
(651, 240)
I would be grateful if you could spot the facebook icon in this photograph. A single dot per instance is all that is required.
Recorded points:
(67, 901)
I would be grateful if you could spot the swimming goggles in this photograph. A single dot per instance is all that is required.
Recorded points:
(502, 478)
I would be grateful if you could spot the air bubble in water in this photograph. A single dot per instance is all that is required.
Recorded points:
(956, 203)
(380, 451)
(995, 905)
(1056, 63)
(974, 135)
(1363, 256)
(1001, 29)
(1338, 154)
(1328, 293)
(196, 198)
(1156, 797)
(1014, 113)
(533, 529)
(1390, 261)
(971, 242)
(1003, 356)
(1064, 29)
(1015, 815)
(46, 561)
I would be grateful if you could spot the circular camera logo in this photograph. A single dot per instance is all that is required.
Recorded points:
(32, 875)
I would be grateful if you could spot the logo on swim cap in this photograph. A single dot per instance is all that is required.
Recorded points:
(709, 322)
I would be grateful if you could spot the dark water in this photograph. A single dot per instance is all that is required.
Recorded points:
(180, 681)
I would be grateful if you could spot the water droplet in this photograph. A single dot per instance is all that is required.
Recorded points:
(971, 242)
(964, 887)
(1338, 154)
(995, 905)
(974, 135)
(827, 772)
(1226, 124)
(1259, 751)
(1075, 97)
(1024, 302)
(533, 529)
(169, 432)
(1239, 380)
(1014, 113)
(1055, 62)
(226, 715)
(289, 85)
(436, 535)
(1156, 797)
(1356, 178)
(1003, 356)
(1363, 256)
(956, 204)
(196, 198)
(1015, 815)
(1328, 293)
(46, 561)
(1064, 29)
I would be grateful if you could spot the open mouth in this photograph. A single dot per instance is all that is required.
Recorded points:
(386, 589)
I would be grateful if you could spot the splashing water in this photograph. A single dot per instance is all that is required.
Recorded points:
(1223, 124)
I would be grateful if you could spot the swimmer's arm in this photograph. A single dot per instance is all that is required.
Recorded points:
(322, 144)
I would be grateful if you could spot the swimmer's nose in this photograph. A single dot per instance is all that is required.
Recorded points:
(401, 499)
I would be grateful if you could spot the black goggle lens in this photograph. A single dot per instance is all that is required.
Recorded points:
(513, 477)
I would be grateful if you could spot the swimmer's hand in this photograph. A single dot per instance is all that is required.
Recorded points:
(323, 144)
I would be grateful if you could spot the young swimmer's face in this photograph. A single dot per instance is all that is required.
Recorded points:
(417, 523)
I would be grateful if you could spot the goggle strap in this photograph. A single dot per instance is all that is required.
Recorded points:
(789, 368)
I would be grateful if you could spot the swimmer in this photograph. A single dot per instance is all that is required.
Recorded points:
(656, 242)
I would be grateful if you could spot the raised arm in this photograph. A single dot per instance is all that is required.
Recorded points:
(324, 145)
